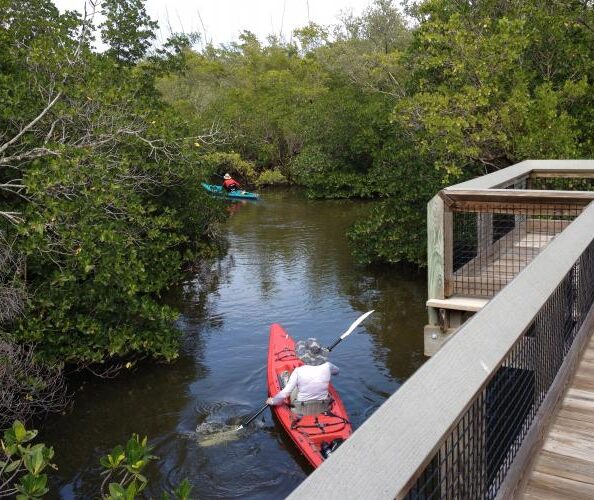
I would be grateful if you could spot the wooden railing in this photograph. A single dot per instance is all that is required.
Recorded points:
(466, 423)
(483, 232)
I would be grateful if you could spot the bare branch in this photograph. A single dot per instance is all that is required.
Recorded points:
(27, 387)
(27, 127)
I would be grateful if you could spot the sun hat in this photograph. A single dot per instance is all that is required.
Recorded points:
(226, 176)
(311, 352)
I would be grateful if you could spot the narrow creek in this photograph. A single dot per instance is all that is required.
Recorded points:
(288, 262)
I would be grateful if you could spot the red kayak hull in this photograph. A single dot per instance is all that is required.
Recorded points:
(309, 432)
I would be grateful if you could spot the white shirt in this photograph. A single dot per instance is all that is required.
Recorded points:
(311, 382)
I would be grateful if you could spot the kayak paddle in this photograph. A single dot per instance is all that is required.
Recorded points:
(355, 324)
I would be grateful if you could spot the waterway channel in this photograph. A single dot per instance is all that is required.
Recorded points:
(288, 262)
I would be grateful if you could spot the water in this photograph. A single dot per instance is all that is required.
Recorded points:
(288, 262)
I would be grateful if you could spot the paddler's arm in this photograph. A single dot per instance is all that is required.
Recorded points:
(333, 369)
(280, 396)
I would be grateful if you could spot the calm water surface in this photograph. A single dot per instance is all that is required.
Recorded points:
(288, 262)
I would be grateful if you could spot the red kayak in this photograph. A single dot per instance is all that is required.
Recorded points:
(315, 436)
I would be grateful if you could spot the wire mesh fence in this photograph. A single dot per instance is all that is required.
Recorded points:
(559, 183)
(474, 458)
(493, 242)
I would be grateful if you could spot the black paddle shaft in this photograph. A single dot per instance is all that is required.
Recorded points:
(255, 415)
(334, 345)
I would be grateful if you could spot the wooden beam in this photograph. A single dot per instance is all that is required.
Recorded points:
(459, 303)
(512, 174)
(562, 174)
(536, 196)
(545, 210)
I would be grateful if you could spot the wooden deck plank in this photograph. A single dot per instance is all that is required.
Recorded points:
(564, 467)
(548, 486)
(578, 404)
(571, 468)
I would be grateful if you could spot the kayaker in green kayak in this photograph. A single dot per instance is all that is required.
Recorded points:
(230, 184)
(307, 386)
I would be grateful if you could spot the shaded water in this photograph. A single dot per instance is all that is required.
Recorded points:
(288, 262)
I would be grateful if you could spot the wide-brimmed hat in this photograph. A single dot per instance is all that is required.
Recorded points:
(311, 352)
(226, 176)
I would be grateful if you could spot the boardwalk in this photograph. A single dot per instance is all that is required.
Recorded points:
(564, 467)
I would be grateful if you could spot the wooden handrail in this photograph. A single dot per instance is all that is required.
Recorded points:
(514, 196)
(510, 175)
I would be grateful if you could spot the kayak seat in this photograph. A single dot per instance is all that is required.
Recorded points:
(305, 408)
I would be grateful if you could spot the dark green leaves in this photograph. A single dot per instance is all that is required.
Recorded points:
(21, 465)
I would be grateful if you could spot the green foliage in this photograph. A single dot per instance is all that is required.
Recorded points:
(493, 84)
(124, 467)
(231, 163)
(106, 203)
(127, 29)
(22, 464)
(182, 492)
(271, 177)
(316, 112)
(490, 84)
(395, 229)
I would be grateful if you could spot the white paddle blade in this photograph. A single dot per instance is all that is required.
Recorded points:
(357, 322)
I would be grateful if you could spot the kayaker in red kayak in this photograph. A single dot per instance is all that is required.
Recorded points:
(230, 184)
(307, 386)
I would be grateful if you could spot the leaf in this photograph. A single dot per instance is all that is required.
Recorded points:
(182, 492)
(32, 486)
(20, 433)
(113, 459)
(116, 490)
(35, 461)
(12, 466)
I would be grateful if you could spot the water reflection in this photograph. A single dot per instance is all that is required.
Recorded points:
(287, 262)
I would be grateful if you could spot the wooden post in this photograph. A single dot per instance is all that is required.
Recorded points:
(448, 252)
(439, 269)
(435, 254)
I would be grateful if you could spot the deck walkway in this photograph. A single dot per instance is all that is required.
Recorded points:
(564, 467)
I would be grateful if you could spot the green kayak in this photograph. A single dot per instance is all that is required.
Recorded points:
(237, 194)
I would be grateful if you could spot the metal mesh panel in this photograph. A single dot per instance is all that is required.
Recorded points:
(560, 184)
(473, 459)
(493, 242)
